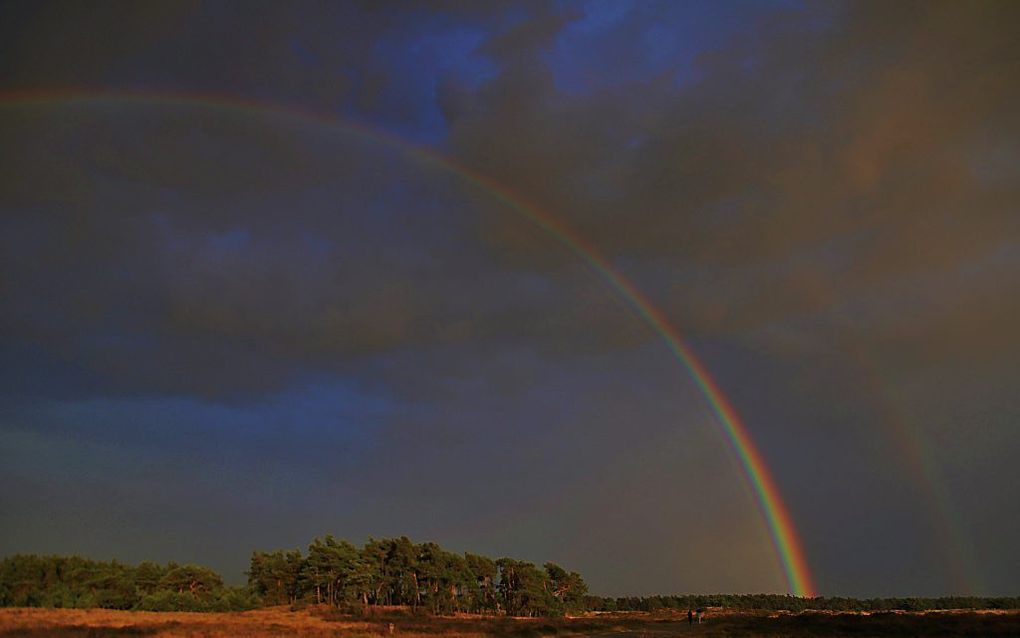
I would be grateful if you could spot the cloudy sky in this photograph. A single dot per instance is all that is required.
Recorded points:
(239, 309)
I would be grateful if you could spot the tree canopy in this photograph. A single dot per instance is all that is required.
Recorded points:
(396, 571)
(72, 581)
(387, 571)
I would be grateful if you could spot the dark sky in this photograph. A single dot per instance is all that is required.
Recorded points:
(227, 328)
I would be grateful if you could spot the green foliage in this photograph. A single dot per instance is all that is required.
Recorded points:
(72, 581)
(389, 571)
(396, 571)
(383, 572)
(568, 589)
(196, 580)
(276, 576)
(330, 570)
(482, 590)
(515, 586)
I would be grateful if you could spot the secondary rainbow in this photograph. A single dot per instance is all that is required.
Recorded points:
(780, 524)
(918, 457)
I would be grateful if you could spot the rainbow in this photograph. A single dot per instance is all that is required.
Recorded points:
(919, 459)
(915, 451)
(780, 523)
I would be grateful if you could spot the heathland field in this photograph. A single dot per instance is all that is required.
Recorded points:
(323, 621)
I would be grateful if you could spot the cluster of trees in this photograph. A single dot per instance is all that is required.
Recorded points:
(424, 576)
(392, 571)
(72, 581)
(776, 602)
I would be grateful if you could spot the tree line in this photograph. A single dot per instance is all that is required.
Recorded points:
(382, 572)
(72, 581)
(396, 571)
(781, 602)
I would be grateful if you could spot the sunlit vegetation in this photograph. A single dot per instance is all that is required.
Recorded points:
(72, 581)
(384, 574)
(420, 576)
(392, 572)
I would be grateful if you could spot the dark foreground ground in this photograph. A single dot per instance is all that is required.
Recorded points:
(101, 623)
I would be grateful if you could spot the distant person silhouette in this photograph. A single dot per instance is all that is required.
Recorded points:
(690, 617)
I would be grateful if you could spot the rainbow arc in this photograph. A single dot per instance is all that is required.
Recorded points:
(782, 530)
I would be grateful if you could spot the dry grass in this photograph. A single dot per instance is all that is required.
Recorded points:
(100, 623)
(321, 622)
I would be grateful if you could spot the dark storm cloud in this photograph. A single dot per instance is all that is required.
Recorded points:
(223, 49)
(216, 252)
(798, 189)
(216, 241)
(807, 166)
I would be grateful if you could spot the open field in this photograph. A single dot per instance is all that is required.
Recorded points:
(103, 623)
